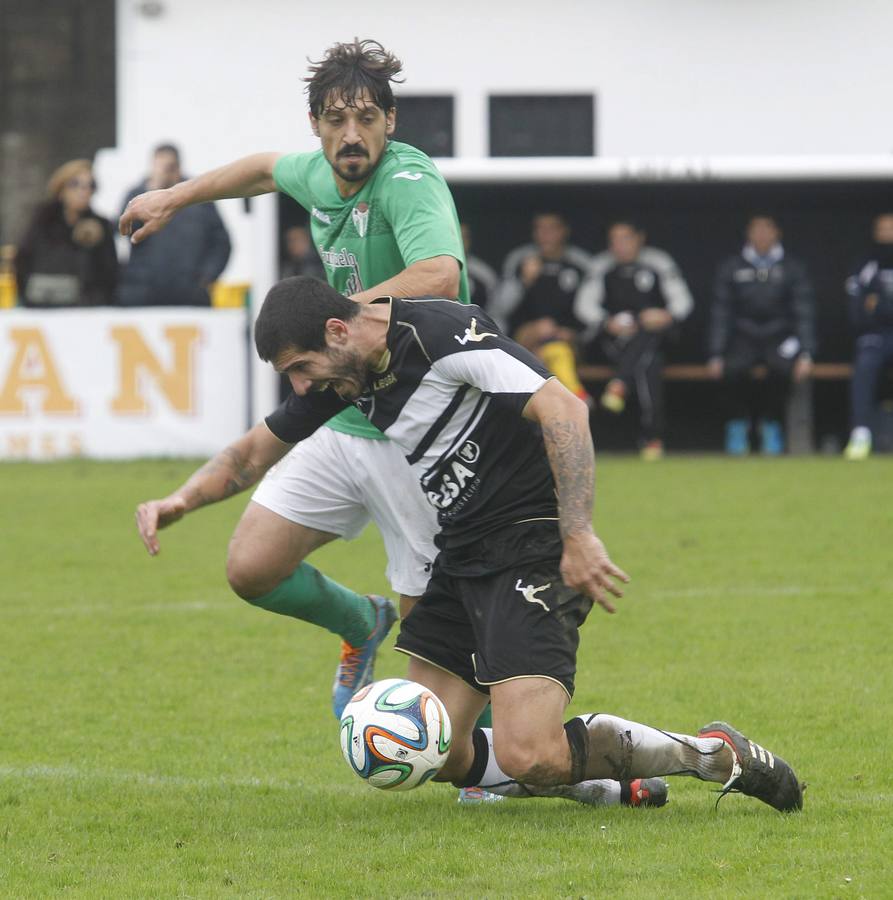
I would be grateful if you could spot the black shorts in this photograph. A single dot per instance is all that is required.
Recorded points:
(500, 611)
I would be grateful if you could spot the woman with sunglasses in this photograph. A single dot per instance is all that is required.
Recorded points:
(67, 257)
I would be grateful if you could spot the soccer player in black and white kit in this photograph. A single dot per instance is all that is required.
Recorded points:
(503, 452)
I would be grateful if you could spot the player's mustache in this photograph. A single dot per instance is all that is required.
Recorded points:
(353, 150)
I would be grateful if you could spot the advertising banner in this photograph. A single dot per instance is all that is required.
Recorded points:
(117, 384)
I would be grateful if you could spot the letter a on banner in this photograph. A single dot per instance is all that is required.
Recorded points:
(32, 369)
(136, 359)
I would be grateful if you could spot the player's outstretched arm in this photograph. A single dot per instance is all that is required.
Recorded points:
(564, 419)
(246, 177)
(231, 471)
(434, 277)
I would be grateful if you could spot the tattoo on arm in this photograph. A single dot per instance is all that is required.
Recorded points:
(226, 474)
(569, 447)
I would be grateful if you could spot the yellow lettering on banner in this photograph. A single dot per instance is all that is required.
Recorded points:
(175, 383)
(48, 448)
(17, 445)
(41, 445)
(33, 368)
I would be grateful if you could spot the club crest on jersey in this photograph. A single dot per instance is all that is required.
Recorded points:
(360, 216)
(471, 334)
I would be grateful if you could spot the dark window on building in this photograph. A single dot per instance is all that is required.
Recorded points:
(426, 122)
(540, 125)
(57, 95)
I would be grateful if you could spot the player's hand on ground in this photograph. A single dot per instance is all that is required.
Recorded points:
(586, 567)
(156, 514)
(151, 211)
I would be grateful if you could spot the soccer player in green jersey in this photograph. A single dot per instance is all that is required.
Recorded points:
(384, 223)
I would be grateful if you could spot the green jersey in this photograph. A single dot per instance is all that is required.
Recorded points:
(403, 214)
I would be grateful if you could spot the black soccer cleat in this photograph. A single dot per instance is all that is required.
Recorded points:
(644, 792)
(757, 772)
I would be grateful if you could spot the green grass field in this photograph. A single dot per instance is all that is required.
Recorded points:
(161, 738)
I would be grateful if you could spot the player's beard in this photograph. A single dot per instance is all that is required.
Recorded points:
(350, 374)
(358, 168)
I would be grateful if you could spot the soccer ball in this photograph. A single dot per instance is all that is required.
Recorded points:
(395, 734)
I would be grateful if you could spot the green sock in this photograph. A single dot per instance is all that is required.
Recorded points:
(485, 719)
(309, 595)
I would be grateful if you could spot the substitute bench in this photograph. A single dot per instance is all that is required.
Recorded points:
(799, 424)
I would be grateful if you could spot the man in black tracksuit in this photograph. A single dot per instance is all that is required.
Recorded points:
(763, 313)
(633, 297)
(535, 301)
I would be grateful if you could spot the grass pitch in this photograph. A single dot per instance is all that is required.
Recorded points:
(161, 738)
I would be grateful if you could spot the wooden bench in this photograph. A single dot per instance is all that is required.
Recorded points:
(799, 424)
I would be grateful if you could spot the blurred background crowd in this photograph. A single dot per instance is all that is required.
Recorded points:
(691, 311)
(605, 319)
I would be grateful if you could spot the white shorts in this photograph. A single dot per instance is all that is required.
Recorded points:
(336, 482)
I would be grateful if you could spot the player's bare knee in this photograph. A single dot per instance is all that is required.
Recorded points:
(527, 763)
(247, 579)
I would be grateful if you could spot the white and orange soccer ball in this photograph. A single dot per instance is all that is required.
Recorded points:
(395, 734)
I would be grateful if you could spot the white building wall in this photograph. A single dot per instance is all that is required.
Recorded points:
(672, 77)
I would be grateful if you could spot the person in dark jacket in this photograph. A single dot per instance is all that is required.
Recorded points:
(632, 300)
(176, 266)
(870, 291)
(535, 300)
(763, 313)
(67, 256)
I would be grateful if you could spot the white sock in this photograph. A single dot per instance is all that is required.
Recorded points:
(596, 792)
(625, 750)
(861, 435)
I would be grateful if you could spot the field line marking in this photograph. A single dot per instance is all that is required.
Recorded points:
(39, 771)
(778, 590)
(231, 603)
(89, 609)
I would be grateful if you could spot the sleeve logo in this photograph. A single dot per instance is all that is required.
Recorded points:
(409, 176)
(471, 334)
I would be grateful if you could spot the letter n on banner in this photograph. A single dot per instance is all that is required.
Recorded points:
(33, 369)
(137, 359)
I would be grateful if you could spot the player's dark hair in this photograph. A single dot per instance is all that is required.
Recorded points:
(349, 70)
(294, 316)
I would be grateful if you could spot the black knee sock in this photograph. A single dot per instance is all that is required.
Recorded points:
(578, 738)
(479, 763)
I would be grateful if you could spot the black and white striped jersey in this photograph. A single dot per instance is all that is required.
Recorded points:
(451, 396)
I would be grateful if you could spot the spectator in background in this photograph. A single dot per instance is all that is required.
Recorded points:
(535, 301)
(482, 280)
(870, 291)
(176, 266)
(632, 297)
(299, 255)
(763, 313)
(67, 256)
